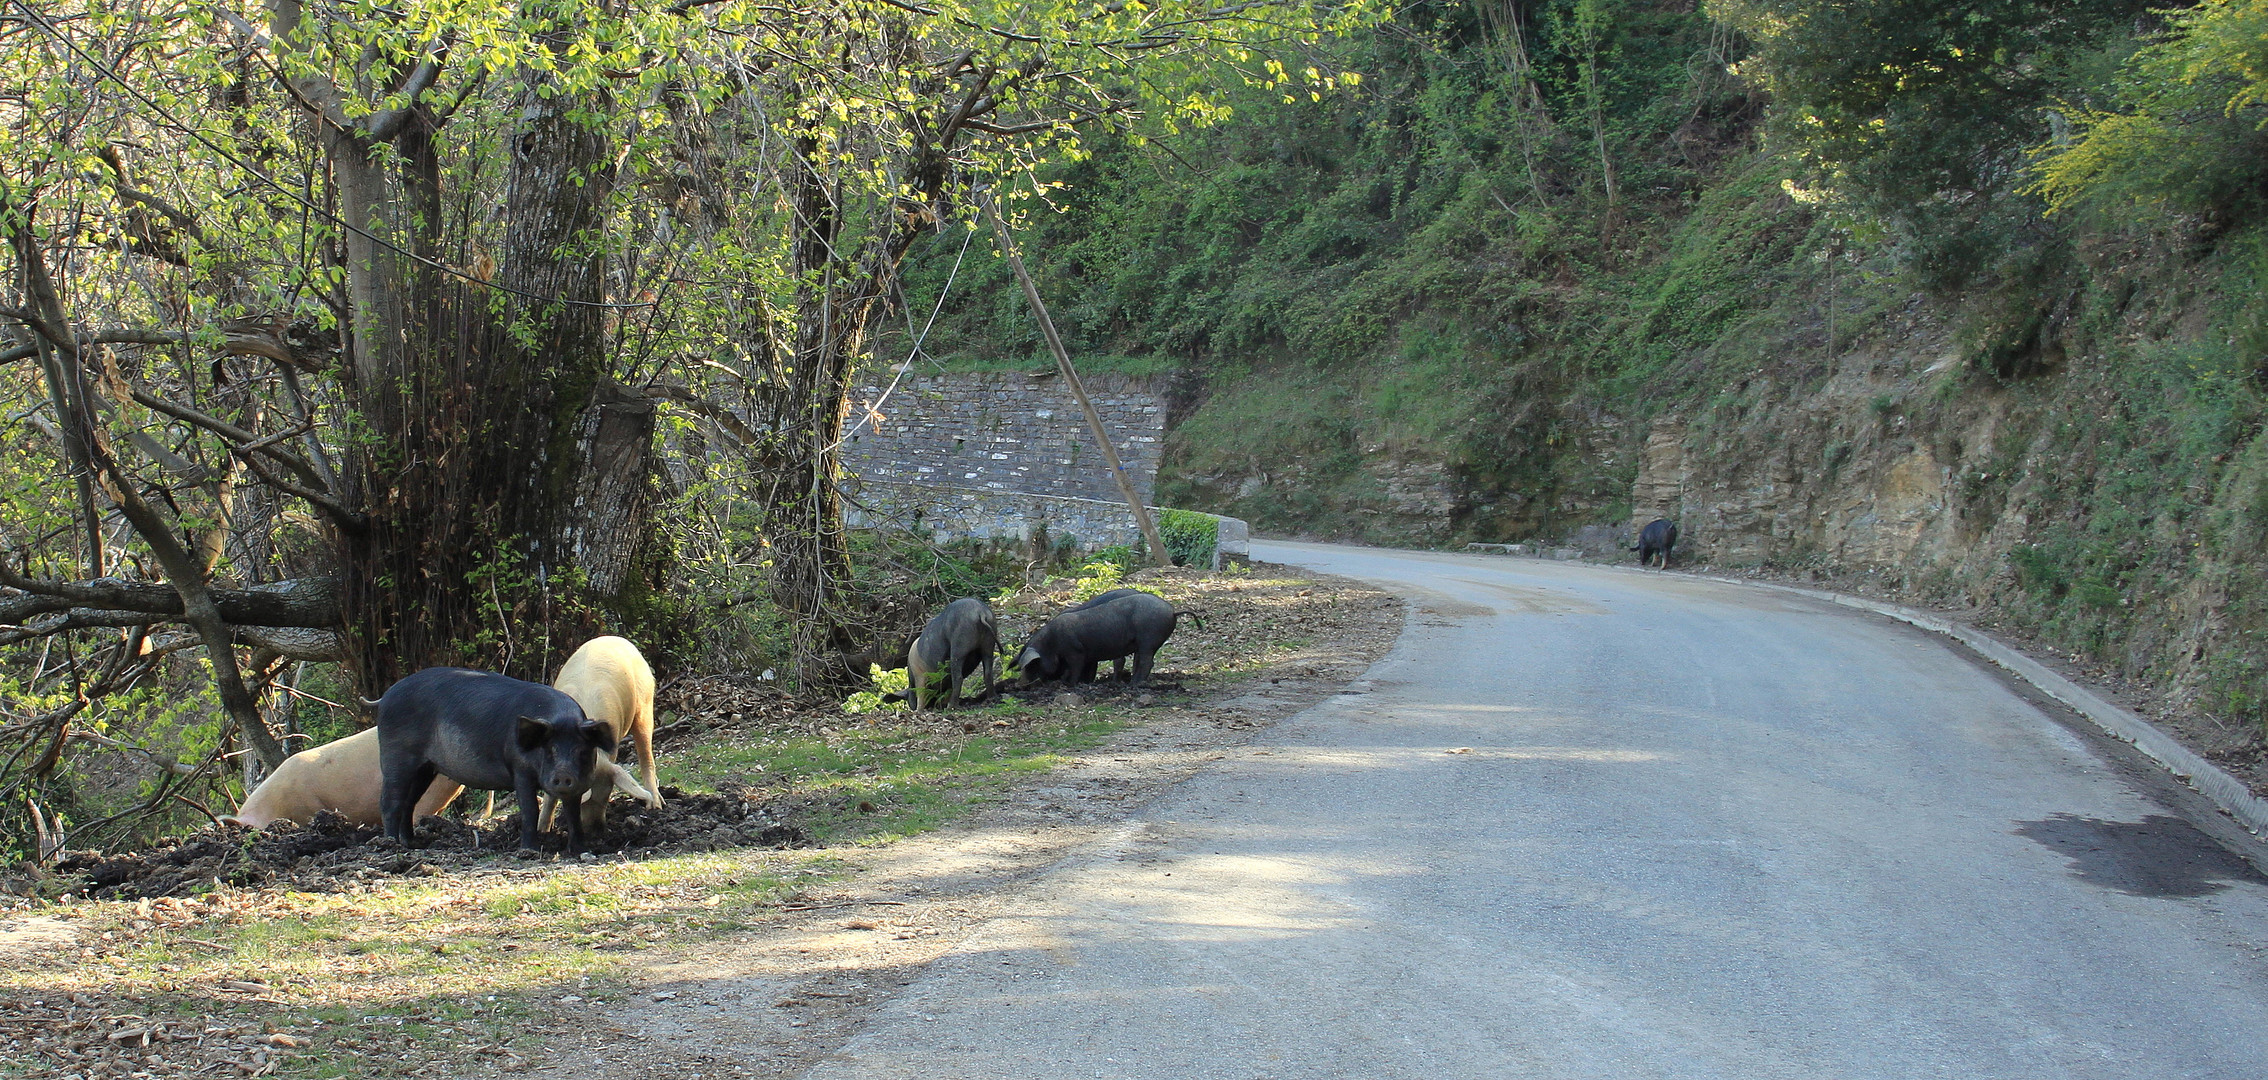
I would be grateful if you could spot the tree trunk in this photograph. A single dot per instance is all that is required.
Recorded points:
(476, 489)
(804, 508)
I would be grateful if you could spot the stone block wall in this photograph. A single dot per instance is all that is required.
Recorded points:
(1006, 432)
(960, 513)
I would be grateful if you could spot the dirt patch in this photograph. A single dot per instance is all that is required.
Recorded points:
(330, 853)
(24, 938)
(109, 1038)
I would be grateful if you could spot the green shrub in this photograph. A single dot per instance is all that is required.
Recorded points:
(886, 683)
(1189, 536)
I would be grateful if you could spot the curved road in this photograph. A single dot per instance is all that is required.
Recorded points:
(1589, 822)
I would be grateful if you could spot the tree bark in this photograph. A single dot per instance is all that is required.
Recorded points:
(302, 602)
(804, 509)
(475, 405)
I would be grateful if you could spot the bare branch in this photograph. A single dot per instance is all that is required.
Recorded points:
(315, 453)
(725, 419)
(382, 126)
(339, 513)
(241, 438)
(249, 336)
(76, 619)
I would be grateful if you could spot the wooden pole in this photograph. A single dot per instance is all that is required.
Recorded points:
(1158, 553)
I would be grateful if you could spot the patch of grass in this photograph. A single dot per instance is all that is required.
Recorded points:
(414, 970)
(875, 781)
(548, 918)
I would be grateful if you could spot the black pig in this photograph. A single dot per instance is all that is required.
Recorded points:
(1657, 538)
(1117, 666)
(488, 731)
(1071, 644)
(957, 641)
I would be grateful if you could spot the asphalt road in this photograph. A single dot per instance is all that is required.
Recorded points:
(1586, 822)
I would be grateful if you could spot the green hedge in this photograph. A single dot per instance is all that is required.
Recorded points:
(1189, 536)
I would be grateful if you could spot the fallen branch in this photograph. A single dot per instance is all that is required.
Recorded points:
(304, 602)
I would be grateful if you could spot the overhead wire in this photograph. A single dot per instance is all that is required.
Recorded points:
(875, 409)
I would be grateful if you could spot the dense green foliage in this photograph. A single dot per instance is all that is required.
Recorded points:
(2184, 123)
(1449, 306)
(1919, 113)
(1190, 537)
(1414, 270)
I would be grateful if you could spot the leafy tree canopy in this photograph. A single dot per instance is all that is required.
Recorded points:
(1919, 112)
(2186, 128)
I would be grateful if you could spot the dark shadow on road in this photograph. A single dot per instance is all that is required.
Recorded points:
(2157, 856)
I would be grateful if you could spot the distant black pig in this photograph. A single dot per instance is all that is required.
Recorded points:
(487, 731)
(1657, 538)
(1074, 642)
(957, 641)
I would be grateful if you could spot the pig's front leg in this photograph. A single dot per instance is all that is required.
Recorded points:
(525, 787)
(574, 826)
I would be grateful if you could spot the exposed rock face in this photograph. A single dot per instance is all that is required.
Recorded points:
(1660, 488)
(1420, 490)
(1902, 472)
(1798, 500)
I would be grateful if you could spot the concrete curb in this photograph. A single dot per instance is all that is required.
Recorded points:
(2226, 791)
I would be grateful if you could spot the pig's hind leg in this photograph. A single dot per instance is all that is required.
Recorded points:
(642, 731)
(397, 800)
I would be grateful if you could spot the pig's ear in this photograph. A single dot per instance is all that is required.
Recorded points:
(601, 735)
(533, 732)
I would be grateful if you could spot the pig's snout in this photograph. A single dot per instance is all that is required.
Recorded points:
(563, 779)
(573, 756)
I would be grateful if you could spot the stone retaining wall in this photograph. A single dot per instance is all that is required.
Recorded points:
(1007, 431)
(957, 513)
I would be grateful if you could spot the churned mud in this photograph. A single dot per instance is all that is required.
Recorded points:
(331, 852)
